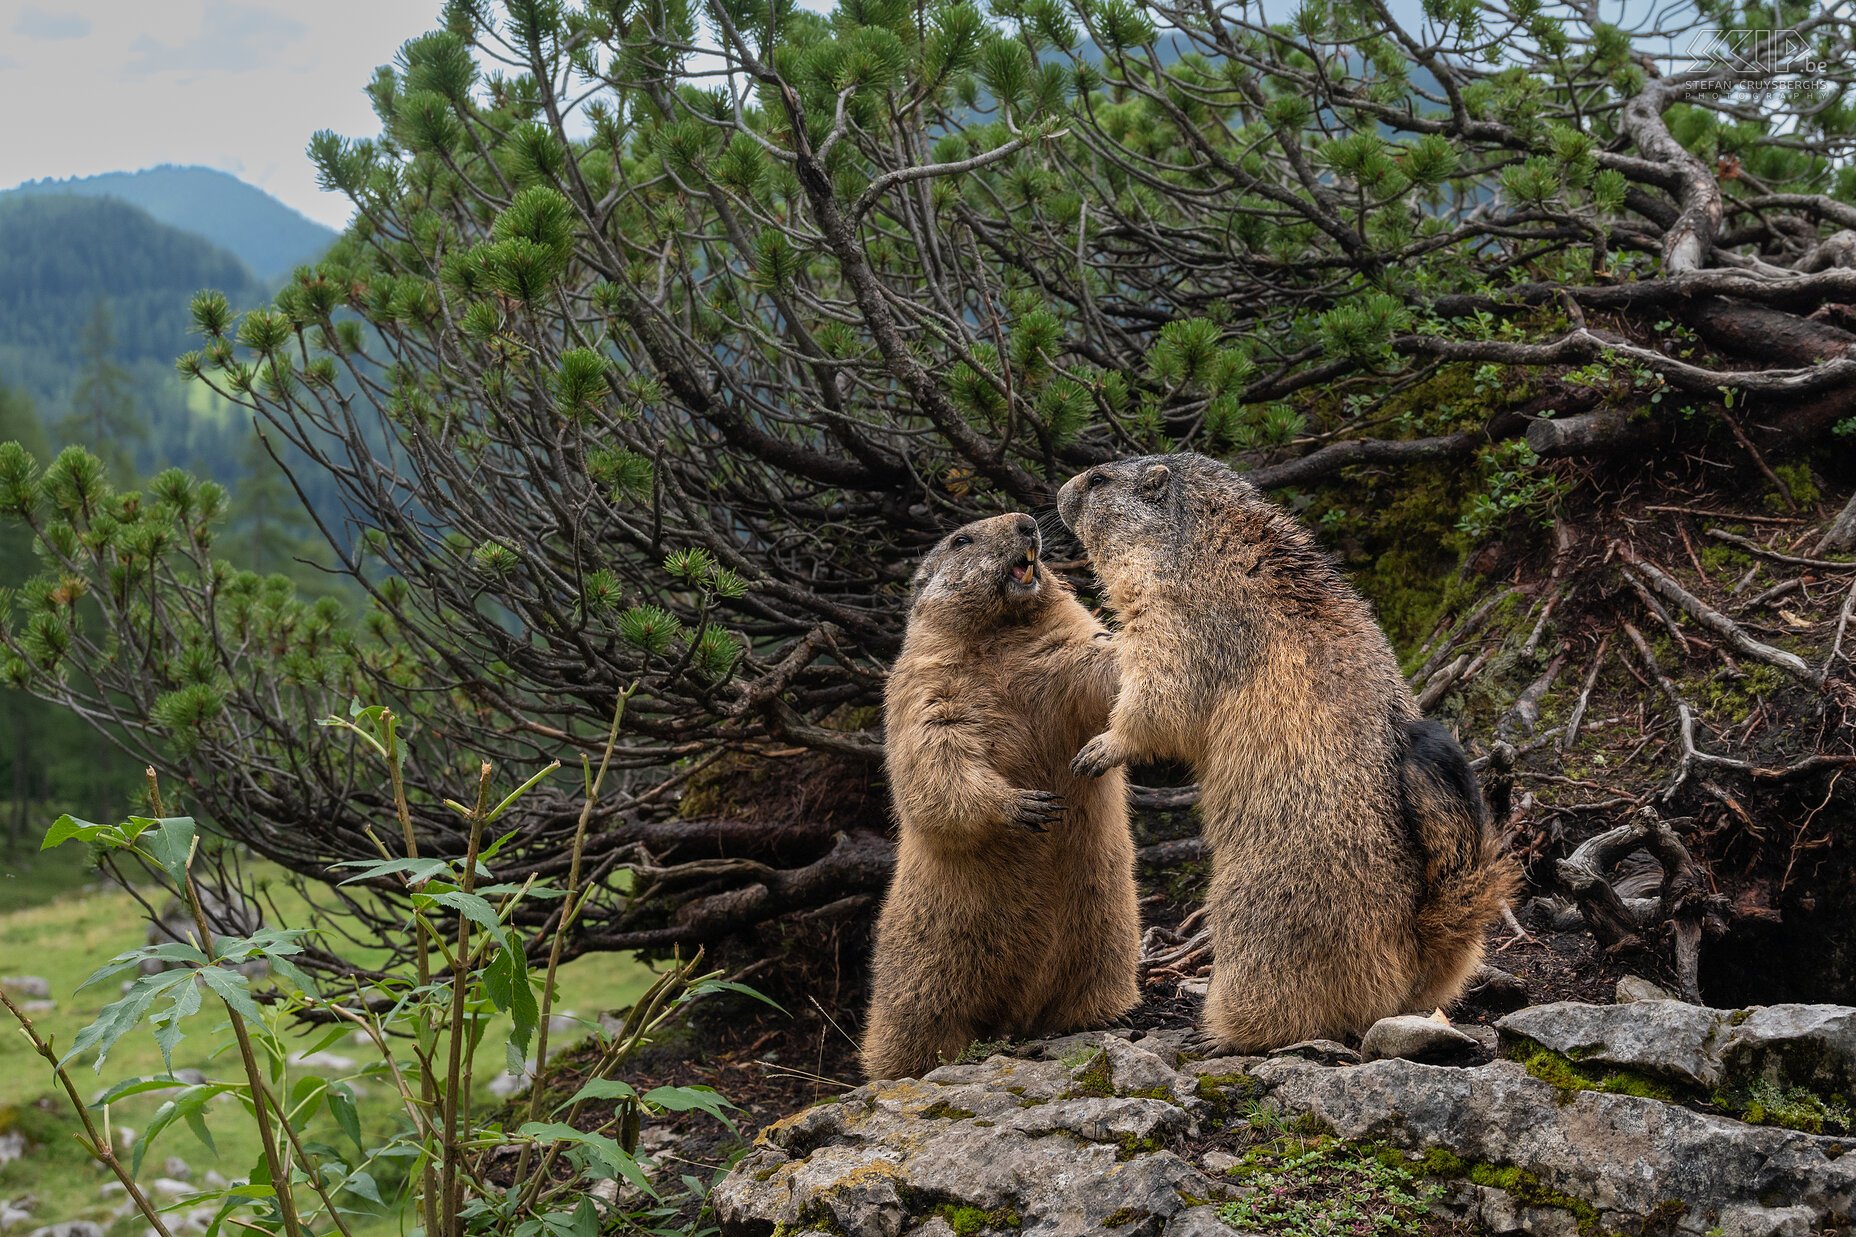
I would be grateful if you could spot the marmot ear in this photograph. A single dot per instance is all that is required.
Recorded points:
(1153, 482)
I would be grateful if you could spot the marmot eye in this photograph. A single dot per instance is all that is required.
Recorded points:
(1096, 480)
(962, 540)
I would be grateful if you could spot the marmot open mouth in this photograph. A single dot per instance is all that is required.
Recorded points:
(1025, 574)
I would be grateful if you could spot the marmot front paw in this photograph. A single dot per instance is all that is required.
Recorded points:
(1034, 810)
(1204, 1046)
(1097, 757)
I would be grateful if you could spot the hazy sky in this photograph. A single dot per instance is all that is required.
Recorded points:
(91, 86)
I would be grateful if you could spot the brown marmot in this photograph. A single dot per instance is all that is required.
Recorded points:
(1354, 869)
(1013, 909)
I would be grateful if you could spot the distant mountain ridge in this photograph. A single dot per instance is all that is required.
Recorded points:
(263, 233)
(60, 255)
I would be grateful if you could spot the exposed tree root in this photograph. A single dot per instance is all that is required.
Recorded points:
(1684, 907)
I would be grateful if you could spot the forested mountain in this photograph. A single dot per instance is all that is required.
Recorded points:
(254, 227)
(94, 296)
(61, 256)
(93, 311)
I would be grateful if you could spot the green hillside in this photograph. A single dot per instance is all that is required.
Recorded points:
(61, 255)
(248, 223)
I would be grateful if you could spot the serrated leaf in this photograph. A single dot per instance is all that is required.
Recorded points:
(605, 1151)
(474, 908)
(601, 1089)
(728, 985)
(122, 1015)
(136, 1086)
(361, 1182)
(170, 841)
(690, 1099)
(340, 1101)
(416, 871)
(234, 990)
(67, 827)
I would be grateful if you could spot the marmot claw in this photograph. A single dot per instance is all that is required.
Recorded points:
(1203, 1046)
(1095, 759)
(1035, 810)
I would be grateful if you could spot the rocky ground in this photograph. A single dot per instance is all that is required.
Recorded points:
(1566, 1119)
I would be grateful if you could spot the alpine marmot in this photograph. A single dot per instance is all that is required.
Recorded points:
(1013, 908)
(1354, 869)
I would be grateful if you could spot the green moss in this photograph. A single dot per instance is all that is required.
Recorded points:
(1523, 1186)
(967, 1220)
(1718, 559)
(1732, 698)
(1130, 1146)
(1076, 1058)
(1759, 1103)
(1798, 482)
(1570, 1077)
(1794, 1108)
(1230, 1088)
(1184, 882)
(980, 1049)
(942, 1110)
(1095, 1078)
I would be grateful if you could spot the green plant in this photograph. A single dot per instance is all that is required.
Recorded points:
(1797, 1108)
(318, 1170)
(1313, 1187)
(1515, 485)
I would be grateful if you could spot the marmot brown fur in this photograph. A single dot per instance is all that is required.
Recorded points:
(1354, 870)
(1013, 908)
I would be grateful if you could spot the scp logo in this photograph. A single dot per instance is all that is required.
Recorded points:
(1758, 51)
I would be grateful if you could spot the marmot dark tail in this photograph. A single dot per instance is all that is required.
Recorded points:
(1467, 879)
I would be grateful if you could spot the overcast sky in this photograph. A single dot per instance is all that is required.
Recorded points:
(90, 86)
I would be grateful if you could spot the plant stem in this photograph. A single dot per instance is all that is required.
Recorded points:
(567, 909)
(460, 987)
(260, 1103)
(98, 1146)
(315, 1178)
(428, 1176)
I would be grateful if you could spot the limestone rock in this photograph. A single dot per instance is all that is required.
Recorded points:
(322, 1062)
(1035, 1147)
(1325, 1051)
(1615, 1158)
(1811, 1046)
(1808, 1046)
(32, 987)
(70, 1228)
(15, 1212)
(1119, 1133)
(1636, 988)
(1668, 1039)
(1197, 1222)
(1416, 1039)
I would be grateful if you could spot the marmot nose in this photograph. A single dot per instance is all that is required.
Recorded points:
(1026, 526)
